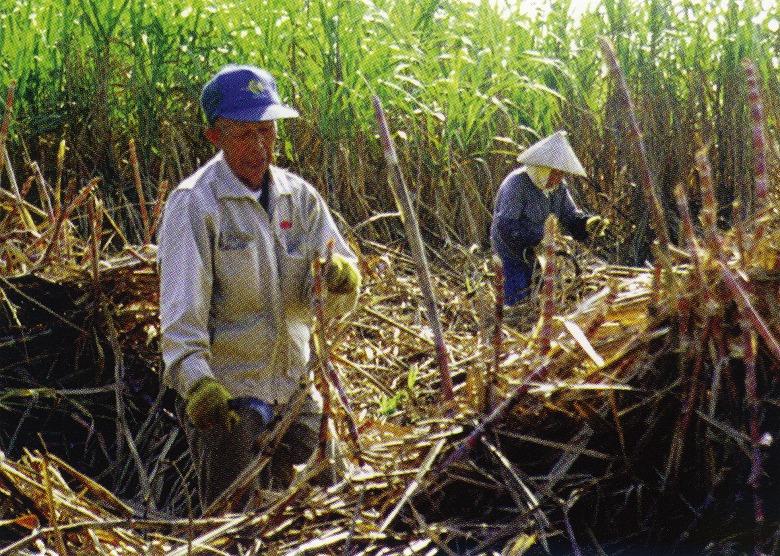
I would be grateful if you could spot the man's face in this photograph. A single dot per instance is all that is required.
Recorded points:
(248, 147)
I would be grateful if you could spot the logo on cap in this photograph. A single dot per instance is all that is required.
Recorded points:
(255, 87)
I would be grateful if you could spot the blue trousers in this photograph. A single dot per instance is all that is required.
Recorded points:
(517, 280)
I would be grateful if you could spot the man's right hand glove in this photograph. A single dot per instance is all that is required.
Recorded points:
(595, 226)
(207, 405)
(342, 276)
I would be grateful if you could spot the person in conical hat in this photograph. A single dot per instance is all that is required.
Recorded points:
(524, 200)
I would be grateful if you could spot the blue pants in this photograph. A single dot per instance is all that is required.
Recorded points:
(517, 280)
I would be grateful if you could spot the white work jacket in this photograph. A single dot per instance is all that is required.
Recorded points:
(236, 281)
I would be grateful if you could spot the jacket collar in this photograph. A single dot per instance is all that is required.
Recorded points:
(281, 185)
(230, 187)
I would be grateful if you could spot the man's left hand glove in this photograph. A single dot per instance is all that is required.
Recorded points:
(595, 226)
(342, 276)
(207, 405)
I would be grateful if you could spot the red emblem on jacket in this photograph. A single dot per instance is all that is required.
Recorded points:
(285, 224)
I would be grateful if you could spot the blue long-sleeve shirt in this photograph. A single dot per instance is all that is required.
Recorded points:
(521, 209)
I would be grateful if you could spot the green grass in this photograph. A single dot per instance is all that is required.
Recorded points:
(465, 88)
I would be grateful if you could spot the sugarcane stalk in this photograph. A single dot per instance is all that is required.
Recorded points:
(95, 210)
(409, 219)
(265, 452)
(322, 350)
(58, 184)
(657, 218)
(9, 101)
(714, 298)
(498, 326)
(759, 155)
(746, 308)
(320, 381)
(43, 190)
(548, 285)
(683, 302)
(709, 206)
(689, 397)
(57, 224)
(759, 140)
(739, 230)
(26, 186)
(158, 205)
(71, 205)
(468, 444)
(140, 190)
(710, 305)
(754, 419)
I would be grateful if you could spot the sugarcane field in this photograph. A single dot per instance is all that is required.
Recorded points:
(389, 278)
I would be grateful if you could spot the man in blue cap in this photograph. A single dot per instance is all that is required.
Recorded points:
(524, 200)
(236, 247)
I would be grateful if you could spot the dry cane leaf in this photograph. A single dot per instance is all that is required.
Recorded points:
(28, 521)
(519, 545)
(583, 341)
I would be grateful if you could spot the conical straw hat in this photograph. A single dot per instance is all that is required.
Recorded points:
(553, 152)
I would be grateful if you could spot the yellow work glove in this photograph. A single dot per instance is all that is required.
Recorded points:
(595, 226)
(207, 405)
(342, 276)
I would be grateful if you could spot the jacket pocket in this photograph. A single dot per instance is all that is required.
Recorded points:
(236, 279)
(295, 278)
(234, 240)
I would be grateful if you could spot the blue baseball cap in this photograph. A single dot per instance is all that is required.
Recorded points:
(243, 93)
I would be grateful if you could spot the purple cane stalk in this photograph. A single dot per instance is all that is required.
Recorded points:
(754, 417)
(158, 206)
(43, 190)
(319, 378)
(759, 154)
(759, 141)
(497, 331)
(9, 101)
(409, 218)
(739, 230)
(57, 224)
(328, 372)
(139, 188)
(467, 445)
(548, 285)
(690, 237)
(746, 308)
(709, 206)
(657, 218)
(85, 192)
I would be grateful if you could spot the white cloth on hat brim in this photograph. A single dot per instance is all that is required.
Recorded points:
(554, 151)
(278, 112)
(265, 114)
(539, 175)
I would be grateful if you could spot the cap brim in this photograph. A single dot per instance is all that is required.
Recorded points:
(268, 113)
(279, 112)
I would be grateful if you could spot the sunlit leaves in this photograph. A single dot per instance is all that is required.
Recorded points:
(452, 75)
